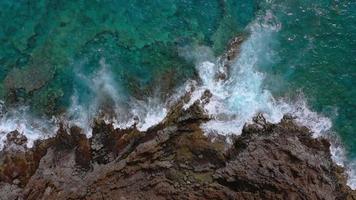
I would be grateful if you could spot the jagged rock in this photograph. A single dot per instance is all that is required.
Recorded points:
(175, 160)
(230, 55)
(281, 161)
(15, 142)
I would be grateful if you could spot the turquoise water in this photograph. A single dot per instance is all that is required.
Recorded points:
(51, 50)
(138, 39)
(315, 53)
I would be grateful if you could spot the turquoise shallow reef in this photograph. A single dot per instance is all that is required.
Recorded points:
(51, 50)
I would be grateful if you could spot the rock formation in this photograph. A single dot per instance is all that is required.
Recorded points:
(173, 160)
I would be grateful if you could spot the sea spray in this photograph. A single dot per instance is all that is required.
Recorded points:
(108, 101)
(236, 100)
(102, 99)
(20, 120)
(240, 97)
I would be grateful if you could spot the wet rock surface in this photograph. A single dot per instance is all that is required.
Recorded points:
(173, 160)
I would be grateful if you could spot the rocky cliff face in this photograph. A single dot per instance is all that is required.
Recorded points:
(173, 160)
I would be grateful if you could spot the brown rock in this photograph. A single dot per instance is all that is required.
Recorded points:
(175, 160)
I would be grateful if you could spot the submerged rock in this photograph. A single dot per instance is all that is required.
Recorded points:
(174, 160)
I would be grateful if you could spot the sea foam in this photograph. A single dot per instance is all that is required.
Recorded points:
(237, 99)
(20, 120)
(108, 102)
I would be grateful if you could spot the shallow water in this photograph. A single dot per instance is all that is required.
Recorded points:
(56, 39)
(79, 58)
(127, 60)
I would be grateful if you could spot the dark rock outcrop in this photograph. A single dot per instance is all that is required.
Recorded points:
(173, 160)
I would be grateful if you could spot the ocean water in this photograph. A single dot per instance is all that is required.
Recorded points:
(127, 61)
(80, 59)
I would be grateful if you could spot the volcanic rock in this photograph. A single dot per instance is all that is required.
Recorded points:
(175, 160)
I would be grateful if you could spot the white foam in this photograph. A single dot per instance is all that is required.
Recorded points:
(20, 119)
(242, 96)
(350, 168)
(149, 113)
(108, 103)
(318, 124)
(79, 115)
(238, 99)
(339, 157)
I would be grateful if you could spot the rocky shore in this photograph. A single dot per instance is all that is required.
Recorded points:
(173, 160)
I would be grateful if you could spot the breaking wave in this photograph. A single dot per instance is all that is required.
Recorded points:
(21, 121)
(108, 103)
(240, 97)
